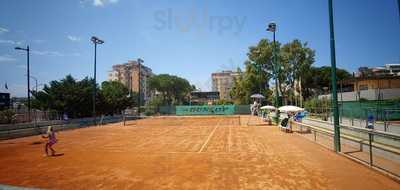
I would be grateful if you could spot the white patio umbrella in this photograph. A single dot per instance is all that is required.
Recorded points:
(268, 107)
(258, 96)
(290, 109)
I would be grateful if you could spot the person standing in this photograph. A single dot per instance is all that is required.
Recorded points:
(51, 136)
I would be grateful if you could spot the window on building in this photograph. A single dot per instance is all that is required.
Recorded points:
(363, 87)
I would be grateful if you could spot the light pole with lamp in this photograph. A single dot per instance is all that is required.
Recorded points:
(28, 78)
(278, 98)
(95, 41)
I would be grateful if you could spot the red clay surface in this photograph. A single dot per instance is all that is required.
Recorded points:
(183, 153)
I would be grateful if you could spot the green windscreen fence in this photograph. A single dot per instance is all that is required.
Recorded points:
(381, 110)
(205, 110)
(198, 110)
(166, 110)
(242, 109)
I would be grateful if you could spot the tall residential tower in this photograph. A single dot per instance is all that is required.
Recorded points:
(223, 83)
(128, 74)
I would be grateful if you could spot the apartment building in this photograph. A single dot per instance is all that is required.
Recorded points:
(128, 74)
(223, 82)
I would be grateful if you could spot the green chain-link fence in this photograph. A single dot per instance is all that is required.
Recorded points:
(381, 110)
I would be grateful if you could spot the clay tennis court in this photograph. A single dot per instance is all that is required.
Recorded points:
(183, 153)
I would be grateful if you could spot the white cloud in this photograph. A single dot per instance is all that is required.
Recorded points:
(100, 3)
(10, 42)
(3, 30)
(74, 38)
(53, 53)
(48, 53)
(6, 58)
(75, 54)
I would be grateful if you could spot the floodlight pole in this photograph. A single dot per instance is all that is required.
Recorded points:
(29, 82)
(95, 41)
(28, 79)
(333, 75)
(276, 83)
(94, 84)
(272, 28)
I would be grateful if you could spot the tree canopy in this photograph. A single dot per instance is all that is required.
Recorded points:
(173, 89)
(74, 97)
(252, 81)
(316, 78)
(295, 60)
(66, 95)
(115, 97)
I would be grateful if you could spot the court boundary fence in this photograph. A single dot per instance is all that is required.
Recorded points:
(373, 140)
(387, 117)
(30, 129)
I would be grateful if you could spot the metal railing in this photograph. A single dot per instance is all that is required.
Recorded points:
(380, 150)
(22, 116)
(16, 130)
(386, 120)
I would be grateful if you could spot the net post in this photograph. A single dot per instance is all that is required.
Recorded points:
(124, 118)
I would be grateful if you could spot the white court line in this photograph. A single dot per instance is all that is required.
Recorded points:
(229, 139)
(165, 132)
(209, 137)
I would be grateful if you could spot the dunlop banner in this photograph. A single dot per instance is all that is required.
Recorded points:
(206, 110)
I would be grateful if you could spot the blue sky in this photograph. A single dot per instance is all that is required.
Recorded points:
(189, 38)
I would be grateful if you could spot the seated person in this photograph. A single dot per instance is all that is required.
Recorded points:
(284, 122)
(299, 116)
(370, 122)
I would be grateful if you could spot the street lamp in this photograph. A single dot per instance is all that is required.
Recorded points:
(95, 41)
(336, 139)
(27, 77)
(272, 28)
(139, 61)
